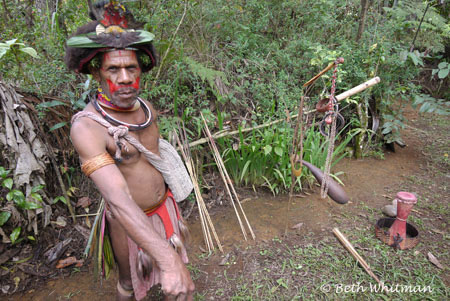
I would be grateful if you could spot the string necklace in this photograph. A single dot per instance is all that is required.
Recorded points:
(132, 127)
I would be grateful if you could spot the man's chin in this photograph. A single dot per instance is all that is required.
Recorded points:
(125, 100)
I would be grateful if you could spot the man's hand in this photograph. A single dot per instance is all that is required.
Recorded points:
(176, 280)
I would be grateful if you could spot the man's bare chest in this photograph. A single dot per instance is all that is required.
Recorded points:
(148, 137)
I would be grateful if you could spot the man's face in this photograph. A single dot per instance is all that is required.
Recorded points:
(119, 77)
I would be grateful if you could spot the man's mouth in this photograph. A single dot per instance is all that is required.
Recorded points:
(126, 93)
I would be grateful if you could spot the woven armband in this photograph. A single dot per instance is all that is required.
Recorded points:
(97, 162)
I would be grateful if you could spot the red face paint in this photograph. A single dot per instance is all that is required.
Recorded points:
(113, 87)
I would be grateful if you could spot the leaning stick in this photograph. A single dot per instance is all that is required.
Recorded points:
(227, 181)
(355, 254)
(204, 215)
(312, 80)
(231, 185)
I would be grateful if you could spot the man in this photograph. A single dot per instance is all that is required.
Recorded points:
(117, 123)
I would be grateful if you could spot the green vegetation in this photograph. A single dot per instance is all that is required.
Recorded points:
(15, 198)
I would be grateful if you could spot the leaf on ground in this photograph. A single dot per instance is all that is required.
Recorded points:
(297, 226)
(68, 262)
(61, 222)
(434, 260)
(84, 202)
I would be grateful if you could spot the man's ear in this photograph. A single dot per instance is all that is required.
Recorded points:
(95, 73)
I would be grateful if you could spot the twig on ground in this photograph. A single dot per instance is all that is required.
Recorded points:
(355, 254)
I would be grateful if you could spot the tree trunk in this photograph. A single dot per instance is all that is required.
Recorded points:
(362, 18)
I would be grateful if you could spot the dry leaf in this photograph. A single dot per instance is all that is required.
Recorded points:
(438, 231)
(68, 262)
(298, 226)
(84, 202)
(61, 222)
(434, 260)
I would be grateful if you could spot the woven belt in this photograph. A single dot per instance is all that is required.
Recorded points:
(152, 209)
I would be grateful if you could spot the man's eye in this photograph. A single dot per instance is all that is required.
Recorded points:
(112, 69)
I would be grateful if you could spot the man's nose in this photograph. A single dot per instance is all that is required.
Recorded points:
(124, 77)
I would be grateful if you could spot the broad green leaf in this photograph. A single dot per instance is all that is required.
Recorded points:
(386, 131)
(278, 150)
(15, 234)
(36, 196)
(8, 183)
(442, 65)
(59, 198)
(31, 238)
(4, 217)
(30, 51)
(443, 73)
(267, 149)
(3, 172)
(37, 188)
(15, 195)
(3, 51)
(50, 104)
(29, 205)
(57, 126)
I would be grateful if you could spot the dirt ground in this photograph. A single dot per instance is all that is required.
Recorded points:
(298, 265)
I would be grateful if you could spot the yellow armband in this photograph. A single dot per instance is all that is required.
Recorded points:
(95, 163)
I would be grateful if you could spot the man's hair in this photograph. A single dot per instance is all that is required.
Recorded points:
(79, 59)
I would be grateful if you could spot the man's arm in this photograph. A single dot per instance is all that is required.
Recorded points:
(90, 142)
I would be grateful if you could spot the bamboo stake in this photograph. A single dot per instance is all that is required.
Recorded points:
(355, 254)
(204, 215)
(226, 179)
(232, 186)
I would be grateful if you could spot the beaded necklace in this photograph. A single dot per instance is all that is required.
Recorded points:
(116, 122)
(104, 101)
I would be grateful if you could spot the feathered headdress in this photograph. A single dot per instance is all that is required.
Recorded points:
(113, 28)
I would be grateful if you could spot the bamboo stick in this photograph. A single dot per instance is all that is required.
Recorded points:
(355, 254)
(204, 215)
(359, 88)
(312, 80)
(226, 179)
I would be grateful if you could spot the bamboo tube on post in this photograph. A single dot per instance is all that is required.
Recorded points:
(359, 88)
(355, 254)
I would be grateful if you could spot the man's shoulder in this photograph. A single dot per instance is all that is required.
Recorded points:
(155, 112)
(83, 125)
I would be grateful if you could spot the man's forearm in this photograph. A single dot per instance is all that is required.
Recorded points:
(139, 228)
